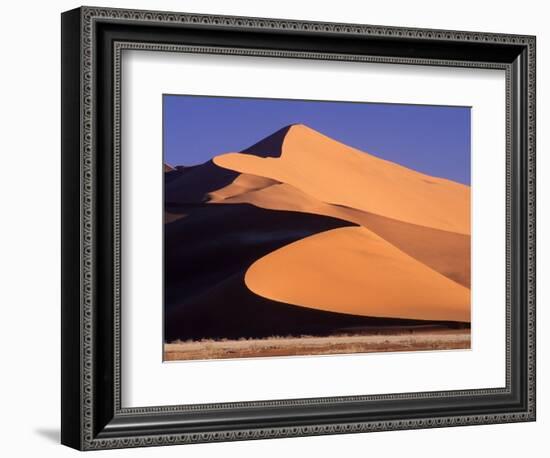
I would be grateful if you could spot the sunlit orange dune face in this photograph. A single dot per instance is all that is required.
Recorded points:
(334, 173)
(352, 270)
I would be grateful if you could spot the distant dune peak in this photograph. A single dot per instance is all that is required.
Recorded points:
(304, 129)
(270, 146)
(338, 174)
(273, 145)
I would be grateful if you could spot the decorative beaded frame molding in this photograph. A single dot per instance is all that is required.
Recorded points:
(89, 15)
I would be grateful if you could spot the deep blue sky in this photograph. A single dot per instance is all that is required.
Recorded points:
(431, 139)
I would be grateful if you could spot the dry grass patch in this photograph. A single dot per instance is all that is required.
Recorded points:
(308, 345)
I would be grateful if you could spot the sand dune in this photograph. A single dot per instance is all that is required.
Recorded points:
(228, 309)
(210, 250)
(300, 234)
(338, 174)
(352, 270)
(215, 242)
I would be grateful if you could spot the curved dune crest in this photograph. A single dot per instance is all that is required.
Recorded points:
(339, 174)
(242, 185)
(446, 252)
(352, 270)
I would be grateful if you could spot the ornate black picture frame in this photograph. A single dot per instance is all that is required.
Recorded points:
(92, 42)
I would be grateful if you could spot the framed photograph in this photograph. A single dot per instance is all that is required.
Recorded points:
(305, 236)
(278, 228)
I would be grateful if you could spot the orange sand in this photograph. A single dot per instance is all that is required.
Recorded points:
(352, 270)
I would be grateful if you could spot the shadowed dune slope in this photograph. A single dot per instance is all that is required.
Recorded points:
(192, 184)
(209, 253)
(214, 242)
(335, 173)
(271, 146)
(229, 310)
